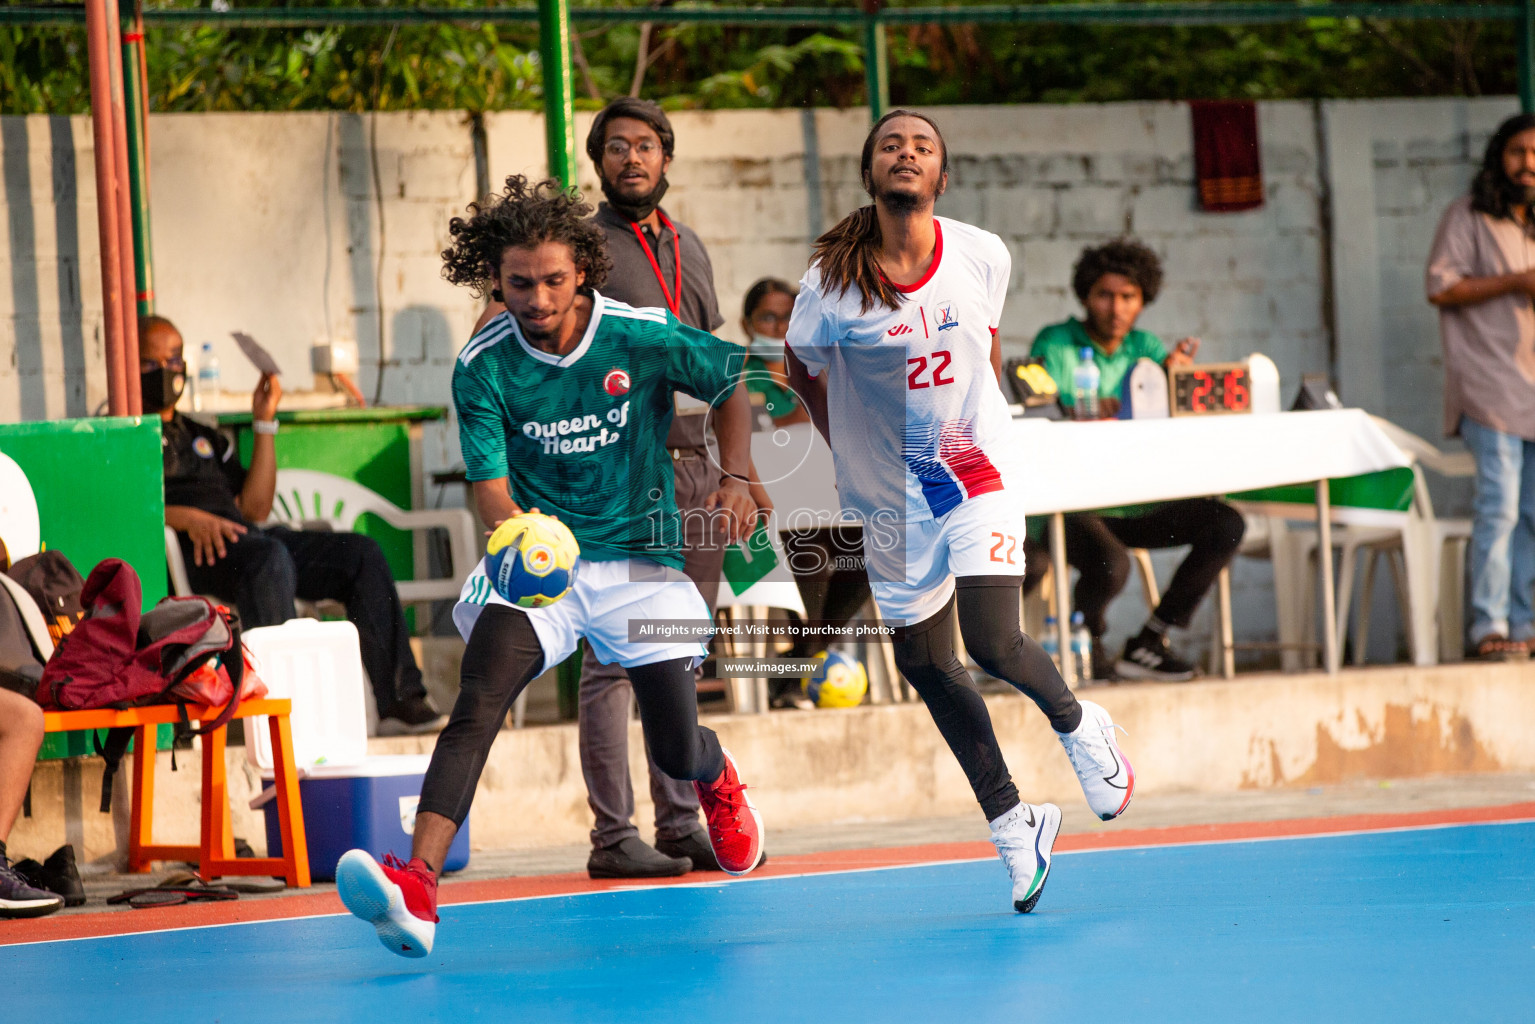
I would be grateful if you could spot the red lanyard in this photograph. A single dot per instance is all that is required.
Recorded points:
(673, 304)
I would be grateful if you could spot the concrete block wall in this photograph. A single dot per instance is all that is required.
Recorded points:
(307, 227)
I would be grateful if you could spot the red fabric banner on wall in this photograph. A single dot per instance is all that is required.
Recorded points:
(1227, 169)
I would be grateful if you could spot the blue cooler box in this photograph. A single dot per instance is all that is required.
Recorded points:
(369, 806)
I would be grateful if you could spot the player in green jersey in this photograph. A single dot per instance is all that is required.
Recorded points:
(563, 404)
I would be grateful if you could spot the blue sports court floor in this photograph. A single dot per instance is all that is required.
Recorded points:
(1431, 924)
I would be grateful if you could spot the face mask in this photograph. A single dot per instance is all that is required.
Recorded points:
(161, 388)
(766, 348)
(635, 210)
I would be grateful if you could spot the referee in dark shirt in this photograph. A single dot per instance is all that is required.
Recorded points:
(656, 262)
(214, 504)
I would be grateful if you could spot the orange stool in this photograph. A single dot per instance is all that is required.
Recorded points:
(215, 854)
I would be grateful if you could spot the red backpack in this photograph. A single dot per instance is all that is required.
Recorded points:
(175, 653)
(179, 652)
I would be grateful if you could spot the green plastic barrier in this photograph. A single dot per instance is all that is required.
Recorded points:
(100, 494)
(1388, 490)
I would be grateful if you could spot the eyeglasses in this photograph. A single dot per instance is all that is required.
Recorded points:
(620, 148)
(173, 363)
(770, 319)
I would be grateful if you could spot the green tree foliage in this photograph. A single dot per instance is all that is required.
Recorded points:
(486, 67)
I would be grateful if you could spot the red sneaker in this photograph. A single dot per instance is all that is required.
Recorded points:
(735, 828)
(398, 899)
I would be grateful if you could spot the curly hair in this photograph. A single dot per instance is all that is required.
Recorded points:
(1123, 256)
(522, 216)
(1491, 191)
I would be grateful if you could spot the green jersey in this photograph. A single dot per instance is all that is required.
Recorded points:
(1060, 344)
(582, 436)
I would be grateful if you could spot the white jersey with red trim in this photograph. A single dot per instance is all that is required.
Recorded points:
(915, 412)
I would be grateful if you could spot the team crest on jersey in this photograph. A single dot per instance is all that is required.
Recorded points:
(203, 447)
(616, 382)
(945, 316)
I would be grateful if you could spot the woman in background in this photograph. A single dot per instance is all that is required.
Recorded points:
(765, 318)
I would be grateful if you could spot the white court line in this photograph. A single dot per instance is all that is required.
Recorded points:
(720, 883)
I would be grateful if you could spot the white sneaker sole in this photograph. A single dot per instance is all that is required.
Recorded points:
(370, 895)
(761, 832)
(1044, 845)
(1137, 672)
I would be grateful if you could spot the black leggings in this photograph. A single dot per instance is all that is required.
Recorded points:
(502, 657)
(988, 620)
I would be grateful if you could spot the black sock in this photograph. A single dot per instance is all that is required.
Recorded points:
(2, 851)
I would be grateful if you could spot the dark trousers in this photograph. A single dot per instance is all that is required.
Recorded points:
(1099, 547)
(267, 569)
(606, 693)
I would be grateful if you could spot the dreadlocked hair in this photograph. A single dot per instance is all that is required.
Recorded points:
(847, 254)
(522, 216)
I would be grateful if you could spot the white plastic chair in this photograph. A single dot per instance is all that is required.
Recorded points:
(306, 495)
(20, 528)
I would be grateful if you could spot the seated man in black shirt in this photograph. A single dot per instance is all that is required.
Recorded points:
(214, 505)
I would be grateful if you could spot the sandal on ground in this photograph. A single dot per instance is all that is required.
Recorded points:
(1497, 647)
(168, 894)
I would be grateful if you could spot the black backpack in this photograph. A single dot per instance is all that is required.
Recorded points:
(55, 584)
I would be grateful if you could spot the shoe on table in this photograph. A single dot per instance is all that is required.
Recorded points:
(58, 874)
(1149, 657)
(397, 899)
(411, 717)
(632, 857)
(1107, 779)
(1024, 838)
(735, 828)
(19, 898)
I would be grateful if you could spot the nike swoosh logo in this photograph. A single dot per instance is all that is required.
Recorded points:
(1119, 769)
(1029, 812)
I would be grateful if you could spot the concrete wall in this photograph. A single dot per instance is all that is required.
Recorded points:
(302, 228)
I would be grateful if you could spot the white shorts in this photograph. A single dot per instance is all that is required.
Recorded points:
(606, 597)
(912, 581)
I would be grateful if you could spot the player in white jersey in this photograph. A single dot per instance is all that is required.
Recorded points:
(893, 346)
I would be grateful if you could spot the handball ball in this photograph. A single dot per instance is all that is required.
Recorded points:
(838, 682)
(531, 560)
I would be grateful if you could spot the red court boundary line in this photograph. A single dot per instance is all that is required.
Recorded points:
(197, 915)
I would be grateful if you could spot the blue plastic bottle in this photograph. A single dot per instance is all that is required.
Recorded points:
(1081, 646)
(1051, 641)
(1084, 385)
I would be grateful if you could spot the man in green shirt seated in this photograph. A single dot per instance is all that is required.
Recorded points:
(1114, 283)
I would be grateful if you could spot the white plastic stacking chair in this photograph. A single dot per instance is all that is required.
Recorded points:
(306, 495)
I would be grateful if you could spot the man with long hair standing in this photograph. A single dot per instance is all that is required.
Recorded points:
(893, 345)
(1481, 275)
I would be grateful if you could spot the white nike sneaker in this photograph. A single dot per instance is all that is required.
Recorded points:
(1107, 779)
(1024, 837)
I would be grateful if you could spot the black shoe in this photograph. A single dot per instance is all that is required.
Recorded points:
(19, 898)
(58, 874)
(411, 717)
(634, 858)
(695, 847)
(1147, 656)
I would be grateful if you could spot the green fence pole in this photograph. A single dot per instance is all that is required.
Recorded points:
(559, 116)
(876, 61)
(1527, 56)
(138, 179)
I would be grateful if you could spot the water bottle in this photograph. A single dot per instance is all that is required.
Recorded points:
(1051, 641)
(1081, 646)
(1084, 385)
(204, 394)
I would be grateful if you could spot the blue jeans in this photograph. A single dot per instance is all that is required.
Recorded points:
(1502, 533)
